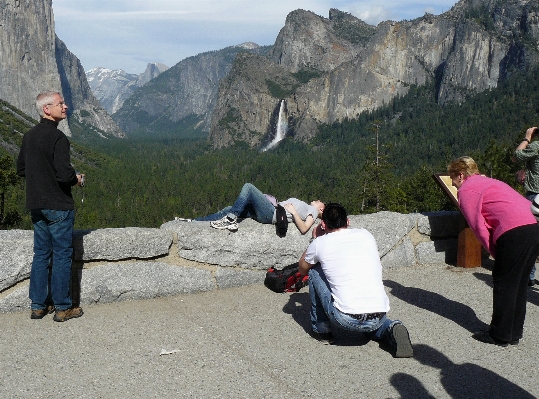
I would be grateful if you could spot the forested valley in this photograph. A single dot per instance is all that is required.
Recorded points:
(382, 161)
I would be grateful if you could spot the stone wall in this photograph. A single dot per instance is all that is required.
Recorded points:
(186, 257)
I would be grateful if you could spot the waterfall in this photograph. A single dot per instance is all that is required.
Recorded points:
(281, 127)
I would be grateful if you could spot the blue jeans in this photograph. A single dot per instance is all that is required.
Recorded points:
(251, 203)
(531, 197)
(50, 277)
(323, 313)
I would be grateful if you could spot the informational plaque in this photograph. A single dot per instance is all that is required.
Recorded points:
(444, 181)
(469, 247)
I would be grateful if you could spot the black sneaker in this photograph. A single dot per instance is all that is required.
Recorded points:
(325, 338)
(531, 282)
(484, 336)
(402, 339)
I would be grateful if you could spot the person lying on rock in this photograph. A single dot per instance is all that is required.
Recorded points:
(252, 203)
(345, 284)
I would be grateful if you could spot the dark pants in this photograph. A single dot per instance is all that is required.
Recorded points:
(50, 277)
(516, 251)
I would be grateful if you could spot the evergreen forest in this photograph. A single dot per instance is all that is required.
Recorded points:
(382, 161)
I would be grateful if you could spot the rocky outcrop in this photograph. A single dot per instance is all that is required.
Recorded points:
(184, 257)
(183, 96)
(469, 49)
(83, 106)
(33, 60)
(27, 55)
(310, 42)
(246, 100)
(113, 87)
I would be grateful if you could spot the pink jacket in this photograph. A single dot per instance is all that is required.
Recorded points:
(491, 208)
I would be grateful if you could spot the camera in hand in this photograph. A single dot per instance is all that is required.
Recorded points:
(82, 178)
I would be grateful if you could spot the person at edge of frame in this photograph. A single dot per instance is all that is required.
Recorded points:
(528, 152)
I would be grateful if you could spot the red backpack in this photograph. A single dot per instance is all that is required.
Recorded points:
(287, 279)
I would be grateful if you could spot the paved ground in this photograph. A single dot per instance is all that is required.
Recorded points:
(252, 343)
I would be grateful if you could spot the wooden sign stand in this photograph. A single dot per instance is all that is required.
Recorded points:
(469, 247)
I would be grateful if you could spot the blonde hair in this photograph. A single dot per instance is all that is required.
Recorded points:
(464, 165)
(45, 98)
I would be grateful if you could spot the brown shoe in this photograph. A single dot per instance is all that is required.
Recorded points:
(40, 313)
(64, 315)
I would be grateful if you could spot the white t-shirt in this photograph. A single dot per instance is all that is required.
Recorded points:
(350, 261)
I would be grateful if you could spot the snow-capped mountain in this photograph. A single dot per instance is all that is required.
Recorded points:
(113, 86)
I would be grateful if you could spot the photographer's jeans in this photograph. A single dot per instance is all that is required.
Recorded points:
(50, 277)
(251, 203)
(531, 197)
(323, 313)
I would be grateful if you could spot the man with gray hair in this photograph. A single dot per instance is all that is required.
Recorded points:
(44, 161)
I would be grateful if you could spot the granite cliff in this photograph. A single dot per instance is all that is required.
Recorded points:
(308, 41)
(352, 67)
(33, 59)
(182, 96)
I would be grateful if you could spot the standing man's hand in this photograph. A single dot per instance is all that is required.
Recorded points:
(81, 179)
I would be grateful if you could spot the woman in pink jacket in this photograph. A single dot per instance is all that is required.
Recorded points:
(502, 221)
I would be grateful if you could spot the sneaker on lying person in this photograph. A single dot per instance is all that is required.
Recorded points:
(228, 222)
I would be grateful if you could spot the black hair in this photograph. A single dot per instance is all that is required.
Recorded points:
(334, 216)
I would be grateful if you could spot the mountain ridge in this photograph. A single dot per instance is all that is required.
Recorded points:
(186, 91)
(469, 49)
(113, 86)
(336, 68)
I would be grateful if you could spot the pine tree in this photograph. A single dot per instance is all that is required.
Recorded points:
(8, 177)
(377, 179)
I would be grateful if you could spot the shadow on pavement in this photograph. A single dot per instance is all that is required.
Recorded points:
(409, 387)
(484, 277)
(459, 380)
(533, 292)
(452, 310)
(299, 306)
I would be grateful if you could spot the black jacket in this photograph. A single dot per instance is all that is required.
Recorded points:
(45, 163)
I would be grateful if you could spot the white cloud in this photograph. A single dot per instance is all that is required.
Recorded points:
(373, 15)
(128, 34)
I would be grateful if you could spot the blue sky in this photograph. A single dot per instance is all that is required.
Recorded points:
(129, 34)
